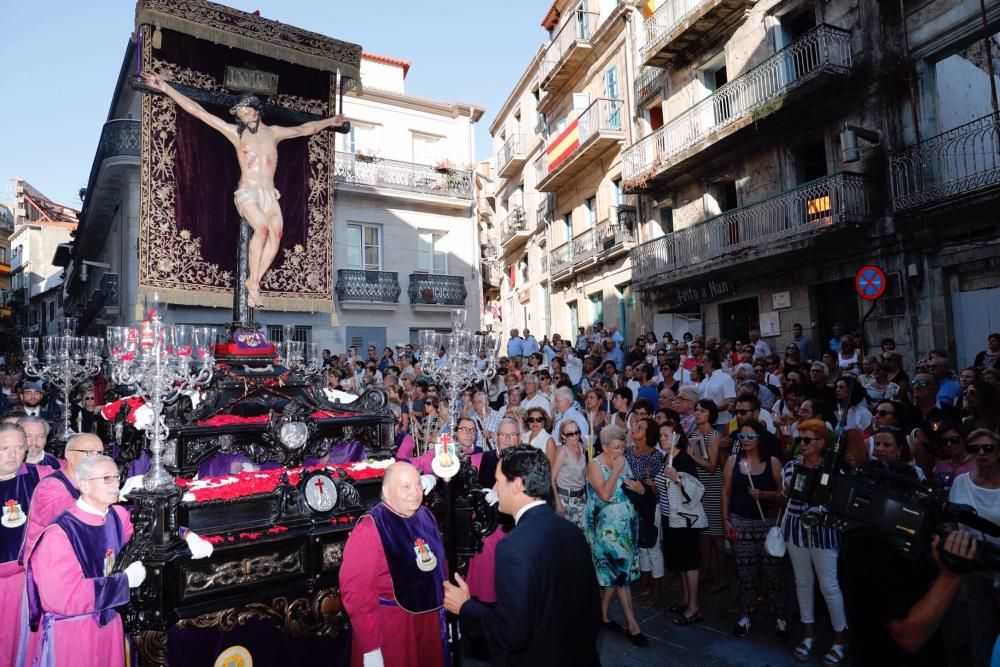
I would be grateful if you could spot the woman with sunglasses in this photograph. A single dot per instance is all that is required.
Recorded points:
(569, 473)
(751, 490)
(706, 451)
(83, 413)
(537, 434)
(980, 488)
(982, 403)
(612, 529)
(813, 548)
(951, 438)
(682, 520)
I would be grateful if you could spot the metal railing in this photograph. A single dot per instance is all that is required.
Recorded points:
(515, 222)
(957, 162)
(816, 205)
(492, 272)
(602, 115)
(119, 138)
(512, 149)
(579, 27)
(647, 81)
(374, 286)
(822, 49)
(430, 288)
(663, 21)
(425, 179)
(619, 229)
(581, 248)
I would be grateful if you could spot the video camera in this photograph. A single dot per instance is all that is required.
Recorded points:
(889, 503)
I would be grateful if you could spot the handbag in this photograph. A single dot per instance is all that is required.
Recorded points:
(774, 543)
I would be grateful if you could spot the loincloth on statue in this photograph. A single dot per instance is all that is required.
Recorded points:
(265, 198)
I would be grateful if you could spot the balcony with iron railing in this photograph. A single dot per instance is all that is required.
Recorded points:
(961, 162)
(617, 233)
(422, 179)
(515, 229)
(568, 49)
(709, 127)
(357, 287)
(433, 289)
(492, 273)
(510, 159)
(600, 127)
(770, 227)
(681, 27)
(649, 81)
(574, 255)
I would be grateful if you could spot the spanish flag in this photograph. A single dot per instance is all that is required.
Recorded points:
(562, 146)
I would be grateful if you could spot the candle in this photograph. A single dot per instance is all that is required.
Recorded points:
(674, 437)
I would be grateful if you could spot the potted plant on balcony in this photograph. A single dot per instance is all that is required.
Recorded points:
(444, 166)
(427, 295)
(366, 154)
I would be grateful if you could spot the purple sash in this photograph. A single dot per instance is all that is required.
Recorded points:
(50, 461)
(19, 489)
(90, 545)
(407, 542)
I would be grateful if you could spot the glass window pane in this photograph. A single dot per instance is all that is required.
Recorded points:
(354, 235)
(371, 258)
(354, 257)
(371, 235)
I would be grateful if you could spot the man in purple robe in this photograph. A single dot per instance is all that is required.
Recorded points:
(72, 593)
(17, 483)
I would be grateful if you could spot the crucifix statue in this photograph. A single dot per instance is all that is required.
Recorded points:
(256, 147)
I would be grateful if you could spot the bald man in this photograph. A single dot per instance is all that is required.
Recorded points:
(392, 576)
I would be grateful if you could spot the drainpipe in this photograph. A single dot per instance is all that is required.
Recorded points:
(910, 75)
(989, 55)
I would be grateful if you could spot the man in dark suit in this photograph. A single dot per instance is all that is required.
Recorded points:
(548, 605)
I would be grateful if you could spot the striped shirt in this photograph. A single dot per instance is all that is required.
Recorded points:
(795, 532)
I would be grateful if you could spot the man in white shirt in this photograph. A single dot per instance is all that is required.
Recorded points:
(574, 366)
(760, 347)
(532, 397)
(566, 408)
(719, 388)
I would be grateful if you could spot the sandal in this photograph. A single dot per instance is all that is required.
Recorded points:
(677, 608)
(804, 650)
(684, 619)
(834, 656)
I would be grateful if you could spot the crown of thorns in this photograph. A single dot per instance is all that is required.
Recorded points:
(247, 101)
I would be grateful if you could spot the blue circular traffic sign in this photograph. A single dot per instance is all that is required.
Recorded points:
(870, 282)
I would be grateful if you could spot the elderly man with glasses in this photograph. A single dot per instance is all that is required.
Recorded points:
(18, 481)
(72, 589)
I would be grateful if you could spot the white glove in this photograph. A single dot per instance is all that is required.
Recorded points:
(199, 546)
(373, 659)
(130, 485)
(428, 482)
(492, 498)
(136, 573)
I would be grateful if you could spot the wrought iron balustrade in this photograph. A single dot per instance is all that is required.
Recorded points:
(648, 80)
(119, 138)
(957, 162)
(355, 169)
(822, 49)
(812, 207)
(372, 286)
(619, 229)
(431, 288)
(665, 19)
(580, 248)
(602, 115)
(580, 27)
(515, 222)
(492, 272)
(512, 149)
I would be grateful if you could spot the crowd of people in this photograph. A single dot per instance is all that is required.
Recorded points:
(675, 456)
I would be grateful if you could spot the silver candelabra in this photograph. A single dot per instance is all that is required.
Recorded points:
(468, 358)
(68, 361)
(297, 355)
(160, 361)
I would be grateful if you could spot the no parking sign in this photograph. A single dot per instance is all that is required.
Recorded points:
(870, 282)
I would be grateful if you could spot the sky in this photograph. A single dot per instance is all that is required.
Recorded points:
(59, 61)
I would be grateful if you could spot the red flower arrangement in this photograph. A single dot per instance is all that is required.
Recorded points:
(234, 420)
(262, 482)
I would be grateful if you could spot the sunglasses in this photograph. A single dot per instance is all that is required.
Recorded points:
(806, 441)
(742, 412)
(981, 449)
(571, 434)
(953, 440)
(885, 413)
(535, 420)
(744, 437)
(921, 383)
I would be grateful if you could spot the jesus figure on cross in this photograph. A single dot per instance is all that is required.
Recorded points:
(256, 147)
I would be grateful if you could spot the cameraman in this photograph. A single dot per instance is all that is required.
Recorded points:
(895, 603)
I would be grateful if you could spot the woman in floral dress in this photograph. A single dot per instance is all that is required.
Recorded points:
(612, 529)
